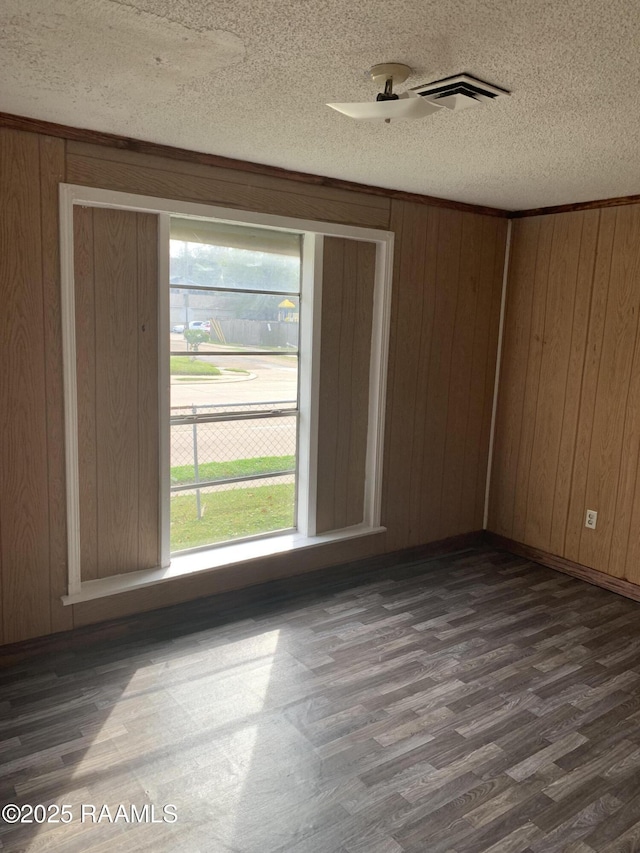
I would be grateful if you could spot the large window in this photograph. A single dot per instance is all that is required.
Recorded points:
(224, 384)
(234, 314)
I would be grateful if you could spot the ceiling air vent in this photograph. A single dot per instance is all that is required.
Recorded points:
(460, 92)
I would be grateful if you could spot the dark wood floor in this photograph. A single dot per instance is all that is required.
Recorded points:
(471, 703)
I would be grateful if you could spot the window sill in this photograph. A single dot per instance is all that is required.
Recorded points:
(235, 554)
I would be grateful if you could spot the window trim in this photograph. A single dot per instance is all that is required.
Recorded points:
(228, 554)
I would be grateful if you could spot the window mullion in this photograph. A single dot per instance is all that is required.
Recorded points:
(224, 481)
(214, 289)
(231, 416)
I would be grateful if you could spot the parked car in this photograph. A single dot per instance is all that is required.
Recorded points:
(200, 325)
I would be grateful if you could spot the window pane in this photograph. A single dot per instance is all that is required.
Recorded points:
(203, 264)
(234, 304)
(229, 322)
(231, 512)
(210, 383)
(232, 449)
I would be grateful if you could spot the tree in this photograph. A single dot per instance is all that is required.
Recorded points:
(195, 337)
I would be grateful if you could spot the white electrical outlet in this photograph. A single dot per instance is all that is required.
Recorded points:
(590, 520)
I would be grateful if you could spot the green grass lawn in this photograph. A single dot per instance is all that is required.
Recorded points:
(231, 514)
(181, 474)
(182, 365)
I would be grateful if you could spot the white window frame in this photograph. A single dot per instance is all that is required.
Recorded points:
(233, 553)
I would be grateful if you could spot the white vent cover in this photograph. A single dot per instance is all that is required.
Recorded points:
(460, 92)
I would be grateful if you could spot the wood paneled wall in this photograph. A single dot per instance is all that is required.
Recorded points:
(445, 316)
(568, 423)
(32, 517)
(116, 289)
(96, 166)
(347, 312)
(448, 267)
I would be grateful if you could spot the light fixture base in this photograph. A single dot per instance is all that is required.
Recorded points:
(395, 71)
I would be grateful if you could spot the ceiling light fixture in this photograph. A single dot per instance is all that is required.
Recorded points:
(389, 105)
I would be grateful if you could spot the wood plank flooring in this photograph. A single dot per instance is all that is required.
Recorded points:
(476, 702)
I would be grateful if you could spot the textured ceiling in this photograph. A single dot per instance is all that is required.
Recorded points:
(250, 79)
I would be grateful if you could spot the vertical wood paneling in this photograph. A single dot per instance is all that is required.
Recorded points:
(532, 377)
(348, 331)
(83, 263)
(424, 269)
(632, 569)
(485, 334)
(585, 423)
(97, 166)
(148, 434)
(392, 476)
(115, 259)
(365, 264)
(490, 371)
(552, 383)
(117, 362)
(515, 358)
(628, 468)
(347, 306)
(465, 327)
(447, 286)
(605, 458)
(595, 333)
(52, 171)
(571, 405)
(440, 376)
(24, 503)
(407, 324)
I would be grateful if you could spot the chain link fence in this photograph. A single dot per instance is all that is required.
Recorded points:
(246, 448)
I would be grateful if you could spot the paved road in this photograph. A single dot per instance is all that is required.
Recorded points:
(273, 378)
